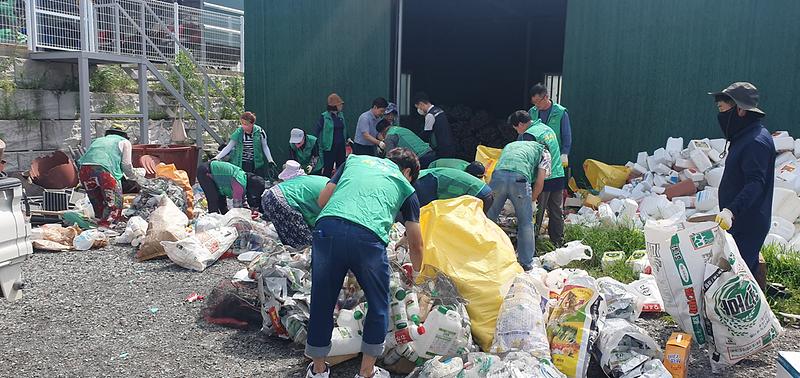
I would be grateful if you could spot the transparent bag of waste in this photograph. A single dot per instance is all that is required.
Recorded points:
(622, 302)
(623, 347)
(520, 323)
(572, 251)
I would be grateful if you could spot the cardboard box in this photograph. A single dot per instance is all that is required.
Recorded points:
(788, 365)
(676, 354)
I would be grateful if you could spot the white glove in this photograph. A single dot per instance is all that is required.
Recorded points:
(725, 219)
(382, 145)
(564, 160)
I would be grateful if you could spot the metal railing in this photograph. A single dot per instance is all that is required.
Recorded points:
(215, 39)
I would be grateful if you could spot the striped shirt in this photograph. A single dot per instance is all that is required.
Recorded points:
(247, 147)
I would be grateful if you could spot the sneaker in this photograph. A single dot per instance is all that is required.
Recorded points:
(310, 371)
(377, 373)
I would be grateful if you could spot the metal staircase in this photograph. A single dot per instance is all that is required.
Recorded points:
(140, 35)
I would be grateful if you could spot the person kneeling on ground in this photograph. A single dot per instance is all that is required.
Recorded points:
(292, 205)
(221, 180)
(101, 170)
(444, 183)
(520, 164)
(396, 136)
(360, 204)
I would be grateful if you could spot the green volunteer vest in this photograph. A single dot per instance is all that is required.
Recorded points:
(521, 157)
(302, 193)
(104, 152)
(556, 114)
(370, 192)
(546, 136)
(222, 172)
(459, 164)
(327, 131)
(452, 183)
(304, 154)
(407, 139)
(258, 152)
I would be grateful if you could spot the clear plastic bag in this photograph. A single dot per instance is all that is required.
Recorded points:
(572, 251)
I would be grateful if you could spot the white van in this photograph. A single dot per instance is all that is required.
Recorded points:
(15, 244)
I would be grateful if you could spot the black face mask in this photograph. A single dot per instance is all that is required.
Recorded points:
(731, 123)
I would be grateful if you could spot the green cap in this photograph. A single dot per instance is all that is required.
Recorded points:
(400, 294)
(357, 314)
(415, 319)
(400, 326)
(443, 309)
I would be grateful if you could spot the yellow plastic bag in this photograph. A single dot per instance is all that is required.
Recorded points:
(169, 171)
(474, 253)
(489, 157)
(601, 174)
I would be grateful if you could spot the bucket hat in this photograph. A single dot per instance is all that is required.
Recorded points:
(744, 94)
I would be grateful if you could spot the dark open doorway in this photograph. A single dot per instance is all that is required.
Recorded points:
(477, 59)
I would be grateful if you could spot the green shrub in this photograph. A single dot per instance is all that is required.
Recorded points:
(112, 79)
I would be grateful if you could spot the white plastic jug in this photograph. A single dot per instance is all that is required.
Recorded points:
(442, 331)
(344, 341)
(782, 228)
(412, 307)
(786, 204)
(714, 176)
(574, 250)
(353, 319)
(404, 335)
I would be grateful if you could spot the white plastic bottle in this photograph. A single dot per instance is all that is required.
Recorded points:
(353, 319)
(412, 307)
(404, 335)
(398, 319)
(402, 351)
(344, 341)
(442, 331)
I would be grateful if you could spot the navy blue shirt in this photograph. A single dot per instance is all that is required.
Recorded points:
(748, 181)
(338, 127)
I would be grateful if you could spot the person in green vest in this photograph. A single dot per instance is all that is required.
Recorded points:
(303, 149)
(292, 205)
(102, 168)
(396, 136)
(445, 183)
(359, 207)
(521, 164)
(552, 195)
(330, 132)
(475, 168)
(553, 115)
(221, 180)
(248, 147)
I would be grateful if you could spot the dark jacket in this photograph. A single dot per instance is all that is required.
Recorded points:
(749, 180)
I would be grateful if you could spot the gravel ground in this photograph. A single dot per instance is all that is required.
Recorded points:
(89, 314)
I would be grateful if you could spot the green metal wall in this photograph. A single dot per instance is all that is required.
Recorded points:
(297, 52)
(637, 71)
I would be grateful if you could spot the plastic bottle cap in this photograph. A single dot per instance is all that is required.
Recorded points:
(421, 330)
(415, 319)
(400, 294)
(443, 309)
(357, 315)
(400, 326)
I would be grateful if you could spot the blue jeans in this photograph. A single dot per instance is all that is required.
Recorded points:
(515, 187)
(338, 246)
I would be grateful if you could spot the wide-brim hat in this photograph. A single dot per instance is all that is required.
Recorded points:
(744, 94)
(291, 170)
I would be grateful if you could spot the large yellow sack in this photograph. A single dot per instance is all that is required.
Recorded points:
(489, 157)
(474, 253)
(601, 174)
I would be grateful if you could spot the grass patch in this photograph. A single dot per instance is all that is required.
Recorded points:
(783, 267)
(605, 238)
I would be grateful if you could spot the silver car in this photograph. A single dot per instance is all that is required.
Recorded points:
(15, 244)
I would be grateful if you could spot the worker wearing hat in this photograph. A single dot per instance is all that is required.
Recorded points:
(445, 183)
(303, 148)
(331, 131)
(475, 168)
(745, 193)
(102, 168)
(292, 205)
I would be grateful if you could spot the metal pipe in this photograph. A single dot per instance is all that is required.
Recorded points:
(117, 34)
(84, 26)
(85, 112)
(144, 106)
(399, 52)
(143, 30)
(176, 27)
(241, 44)
(30, 16)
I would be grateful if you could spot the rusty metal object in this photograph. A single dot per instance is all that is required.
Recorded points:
(54, 171)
